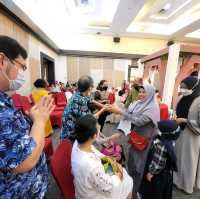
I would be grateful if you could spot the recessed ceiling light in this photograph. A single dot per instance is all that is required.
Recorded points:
(167, 6)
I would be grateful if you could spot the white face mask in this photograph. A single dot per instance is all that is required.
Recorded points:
(186, 92)
(16, 83)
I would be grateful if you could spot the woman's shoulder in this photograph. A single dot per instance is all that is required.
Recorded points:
(83, 160)
(196, 102)
(198, 99)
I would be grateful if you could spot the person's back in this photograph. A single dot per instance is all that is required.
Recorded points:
(90, 178)
(83, 166)
(77, 107)
(37, 94)
(40, 90)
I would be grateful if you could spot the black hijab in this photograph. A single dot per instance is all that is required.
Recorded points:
(184, 104)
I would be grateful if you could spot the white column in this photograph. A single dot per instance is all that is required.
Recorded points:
(140, 68)
(171, 73)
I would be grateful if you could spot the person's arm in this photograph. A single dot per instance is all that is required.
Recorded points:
(96, 115)
(137, 121)
(40, 114)
(98, 104)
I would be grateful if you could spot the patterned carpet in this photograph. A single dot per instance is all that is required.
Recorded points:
(54, 193)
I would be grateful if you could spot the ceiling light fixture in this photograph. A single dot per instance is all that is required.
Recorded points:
(172, 13)
(167, 6)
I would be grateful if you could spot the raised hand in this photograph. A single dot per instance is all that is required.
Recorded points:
(42, 110)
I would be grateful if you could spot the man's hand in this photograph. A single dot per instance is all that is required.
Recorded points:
(42, 110)
(181, 120)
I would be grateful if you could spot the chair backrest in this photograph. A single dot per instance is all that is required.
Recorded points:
(164, 112)
(16, 101)
(61, 99)
(26, 105)
(61, 169)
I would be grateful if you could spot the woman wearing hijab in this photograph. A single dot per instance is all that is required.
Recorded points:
(143, 115)
(188, 145)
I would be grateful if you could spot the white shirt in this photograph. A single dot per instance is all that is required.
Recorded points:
(90, 179)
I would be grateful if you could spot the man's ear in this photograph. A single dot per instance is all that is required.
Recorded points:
(94, 136)
(1, 60)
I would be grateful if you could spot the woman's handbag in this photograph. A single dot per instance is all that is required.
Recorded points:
(138, 142)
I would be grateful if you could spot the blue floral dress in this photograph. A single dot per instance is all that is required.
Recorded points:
(77, 107)
(15, 146)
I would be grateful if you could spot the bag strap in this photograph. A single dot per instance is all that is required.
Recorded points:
(152, 131)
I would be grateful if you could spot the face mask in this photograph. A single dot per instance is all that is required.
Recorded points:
(185, 92)
(16, 83)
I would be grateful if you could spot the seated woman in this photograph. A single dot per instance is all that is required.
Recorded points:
(90, 179)
(37, 94)
(78, 106)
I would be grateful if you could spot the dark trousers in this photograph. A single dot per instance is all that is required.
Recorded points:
(102, 119)
(159, 188)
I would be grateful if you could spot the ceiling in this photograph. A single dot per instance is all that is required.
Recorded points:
(162, 19)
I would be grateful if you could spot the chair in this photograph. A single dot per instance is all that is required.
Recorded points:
(48, 148)
(56, 118)
(16, 101)
(61, 169)
(164, 112)
(26, 105)
(61, 99)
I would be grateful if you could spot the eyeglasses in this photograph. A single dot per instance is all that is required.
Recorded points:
(23, 66)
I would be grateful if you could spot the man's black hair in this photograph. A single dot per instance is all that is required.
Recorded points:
(11, 48)
(40, 83)
(85, 128)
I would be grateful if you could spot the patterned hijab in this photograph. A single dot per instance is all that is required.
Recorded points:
(149, 106)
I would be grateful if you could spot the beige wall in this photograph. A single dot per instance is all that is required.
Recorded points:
(113, 70)
(103, 43)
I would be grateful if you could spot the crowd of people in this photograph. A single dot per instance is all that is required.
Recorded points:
(160, 152)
